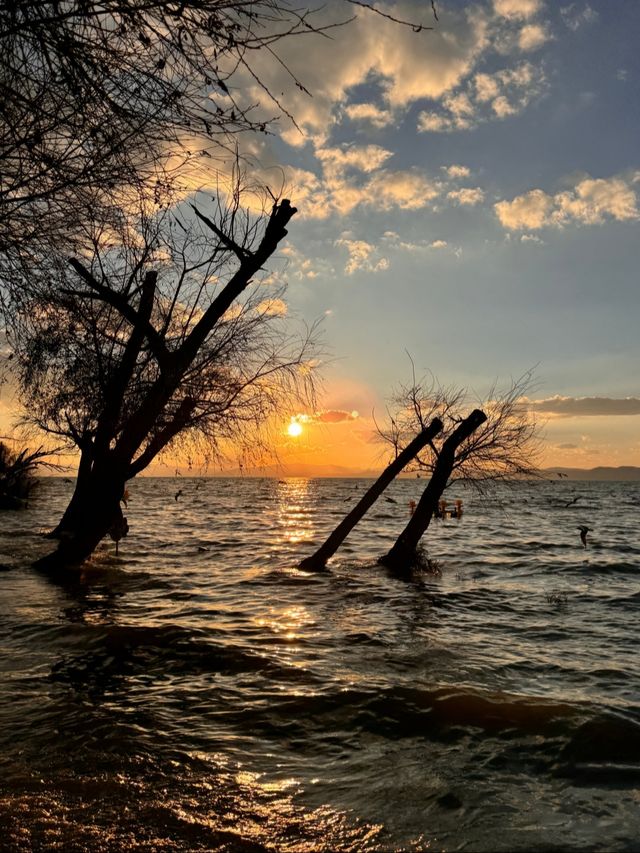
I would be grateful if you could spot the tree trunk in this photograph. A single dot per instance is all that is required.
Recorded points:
(403, 555)
(78, 499)
(94, 510)
(110, 458)
(317, 561)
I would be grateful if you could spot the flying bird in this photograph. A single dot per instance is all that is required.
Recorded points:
(177, 494)
(572, 501)
(583, 534)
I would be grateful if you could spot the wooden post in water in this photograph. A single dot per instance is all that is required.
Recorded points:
(403, 553)
(317, 561)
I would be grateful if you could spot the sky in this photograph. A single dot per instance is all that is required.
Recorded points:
(468, 195)
(468, 200)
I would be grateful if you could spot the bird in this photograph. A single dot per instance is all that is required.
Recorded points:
(572, 501)
(583, 534)
(177, 494)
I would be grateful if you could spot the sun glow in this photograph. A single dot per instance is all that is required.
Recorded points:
(294, 429)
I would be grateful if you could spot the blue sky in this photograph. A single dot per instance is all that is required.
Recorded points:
(470, 194)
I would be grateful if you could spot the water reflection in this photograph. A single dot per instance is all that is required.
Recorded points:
(288, 622)
(295, 521)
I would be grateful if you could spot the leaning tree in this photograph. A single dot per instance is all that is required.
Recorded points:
(154, 335)
(497, 442)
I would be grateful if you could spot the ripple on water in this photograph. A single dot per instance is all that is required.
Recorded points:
(199, 691)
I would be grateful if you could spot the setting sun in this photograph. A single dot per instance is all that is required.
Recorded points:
(294, 429)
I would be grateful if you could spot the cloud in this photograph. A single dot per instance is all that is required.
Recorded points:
(364, 158)
(486, 96)
(403, 65)
(532, 37)
(531, 238)
(530, 210)
(574, 407)
(327, 416)
(362, 256)
(370, 114)
(438, 244)
(575, 16)
(335, 416)
(352, 176)
(590, 202)
(457, 171)
(272, 307)
(467, 196)
(517, 8)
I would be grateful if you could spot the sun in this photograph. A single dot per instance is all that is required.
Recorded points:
(294, 429)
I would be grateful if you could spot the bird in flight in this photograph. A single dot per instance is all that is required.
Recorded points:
(583, 534)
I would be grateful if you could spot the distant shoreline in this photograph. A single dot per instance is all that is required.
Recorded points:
(623, 473)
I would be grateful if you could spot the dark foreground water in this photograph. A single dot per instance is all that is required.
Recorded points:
(198, 692)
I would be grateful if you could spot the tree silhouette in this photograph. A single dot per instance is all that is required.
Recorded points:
(496, 443)
(156, 335)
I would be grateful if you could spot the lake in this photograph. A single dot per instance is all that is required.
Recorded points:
(199, 692)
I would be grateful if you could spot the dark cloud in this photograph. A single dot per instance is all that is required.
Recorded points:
(574, 407)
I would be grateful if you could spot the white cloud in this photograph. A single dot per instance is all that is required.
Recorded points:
(504, 93)
(369, 113)
(467, 196)
(365, 158)
(517, 8)
(590, 202)
(438, 244)
(486, 86)
(532, 37)
(457, 171)
(352, 177)
(530, 210)
(406, 67)
(362, 255)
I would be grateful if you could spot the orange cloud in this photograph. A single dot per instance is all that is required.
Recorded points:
(590, 202)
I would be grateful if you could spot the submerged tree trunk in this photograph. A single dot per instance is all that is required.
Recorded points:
(93, 512)
(403, 554)
(122, 446)
(78, 499)
(317, 561)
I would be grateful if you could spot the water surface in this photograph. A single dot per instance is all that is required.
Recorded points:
(198, 691)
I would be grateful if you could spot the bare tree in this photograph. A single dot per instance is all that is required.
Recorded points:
(153, 336)
(497, 443)
(94, 96)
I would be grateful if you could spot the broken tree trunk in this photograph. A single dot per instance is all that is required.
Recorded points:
(317, 561)
(403, 554)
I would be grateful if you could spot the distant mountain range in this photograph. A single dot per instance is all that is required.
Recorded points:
(624, 472)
